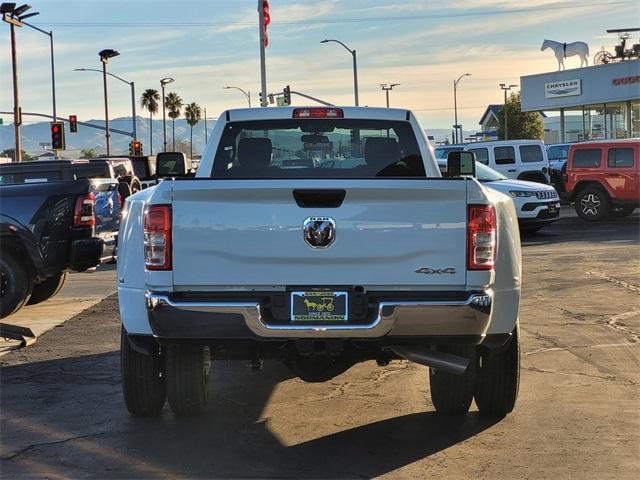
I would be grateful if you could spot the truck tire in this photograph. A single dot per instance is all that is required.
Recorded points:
(188, 369)
(143, 385)
(15, 284)
(592, 204)
(499, 380)
(47, 289)
(453, 394)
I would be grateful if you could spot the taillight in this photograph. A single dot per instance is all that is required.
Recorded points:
(481, 237)
(318, 113)
(157, 237)
(84, 213)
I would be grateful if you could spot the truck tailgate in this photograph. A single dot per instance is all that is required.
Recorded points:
(250, 233)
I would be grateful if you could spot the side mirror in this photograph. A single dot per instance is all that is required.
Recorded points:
(124, 189)
(461, 164)
(171, 164)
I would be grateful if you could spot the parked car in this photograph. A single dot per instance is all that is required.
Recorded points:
(557, 155)
(48, 228)
(517, 159)
(603, 178)
(442, 151)
(144, 168)
(322, 266)
(537, 205)
(120, 169)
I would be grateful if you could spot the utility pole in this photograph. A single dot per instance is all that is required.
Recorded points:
(53, 71)
(163, 82)
(355, 67)
(263, 70)
(17, 114)
(205, 126)
(105, 55)
(457, 127)
(387, 89)
(14, 17)
(505, 88)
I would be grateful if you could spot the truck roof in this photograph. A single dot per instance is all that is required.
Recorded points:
(280, 113)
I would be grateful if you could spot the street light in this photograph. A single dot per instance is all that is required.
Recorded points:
(246, 94)
(14, 17)
(53, 72)
(105, 55)
(387, 89)
(455, 107)
(164, 82)
(355, 67)
(505, 88)
(134, 133)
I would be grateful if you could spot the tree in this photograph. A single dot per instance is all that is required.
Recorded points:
(11, 153)
(149, 101)
(193, 114)
(520, 125)
(173, 102)
(88, 153)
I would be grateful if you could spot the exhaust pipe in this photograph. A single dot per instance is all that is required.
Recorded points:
(432, 358)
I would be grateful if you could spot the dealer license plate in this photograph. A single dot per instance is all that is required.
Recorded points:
(319, 306)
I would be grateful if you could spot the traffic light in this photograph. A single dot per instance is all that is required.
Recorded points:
(135, 148)
(73, 123)
(57, 136)
(287, 95)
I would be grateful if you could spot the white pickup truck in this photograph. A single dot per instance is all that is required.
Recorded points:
(321, 237)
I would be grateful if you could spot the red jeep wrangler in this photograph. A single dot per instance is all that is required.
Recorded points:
(603, 177)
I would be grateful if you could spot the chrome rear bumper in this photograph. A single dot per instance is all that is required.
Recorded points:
(173, 318)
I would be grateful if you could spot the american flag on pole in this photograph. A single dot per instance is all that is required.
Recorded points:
(266, 21)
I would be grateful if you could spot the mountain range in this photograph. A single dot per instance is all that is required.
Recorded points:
(35, 134)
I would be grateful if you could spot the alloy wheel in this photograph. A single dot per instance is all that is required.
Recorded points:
(590, 204)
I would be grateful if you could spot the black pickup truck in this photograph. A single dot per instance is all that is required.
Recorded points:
(49, 226)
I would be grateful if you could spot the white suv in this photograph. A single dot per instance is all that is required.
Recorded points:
(517, 159)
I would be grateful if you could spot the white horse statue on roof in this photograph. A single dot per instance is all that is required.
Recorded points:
(564, 50)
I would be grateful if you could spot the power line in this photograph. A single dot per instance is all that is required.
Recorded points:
(553, 6)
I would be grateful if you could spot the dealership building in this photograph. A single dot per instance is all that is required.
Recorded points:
(587, 103)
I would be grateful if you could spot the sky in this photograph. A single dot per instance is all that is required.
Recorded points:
(208, 44)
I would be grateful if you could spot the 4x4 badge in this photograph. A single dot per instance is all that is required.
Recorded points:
(436, 271)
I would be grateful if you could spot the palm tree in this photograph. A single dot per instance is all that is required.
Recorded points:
(173, 102)
(149, 101)
(193, 114)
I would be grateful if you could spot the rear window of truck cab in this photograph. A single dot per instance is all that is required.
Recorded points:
(316, 148)
(586, 158)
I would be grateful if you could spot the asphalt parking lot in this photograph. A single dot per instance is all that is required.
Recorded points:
(578, 413)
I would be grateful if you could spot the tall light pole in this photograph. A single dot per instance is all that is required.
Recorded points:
(246, 94)
(14, 17)
(164, 82)
(53, 71)
(506, 88)
(134, 132)
(387, 89)
(355, 67)
(455, 107)
(105, 55)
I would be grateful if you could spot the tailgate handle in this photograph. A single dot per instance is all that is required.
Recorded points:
(316, 198)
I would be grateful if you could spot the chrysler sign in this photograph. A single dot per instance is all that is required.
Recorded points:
(564, 88)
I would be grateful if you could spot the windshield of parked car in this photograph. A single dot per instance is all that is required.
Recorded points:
(486, 174)
(557, 152)
(442, 152)
(318, 148)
